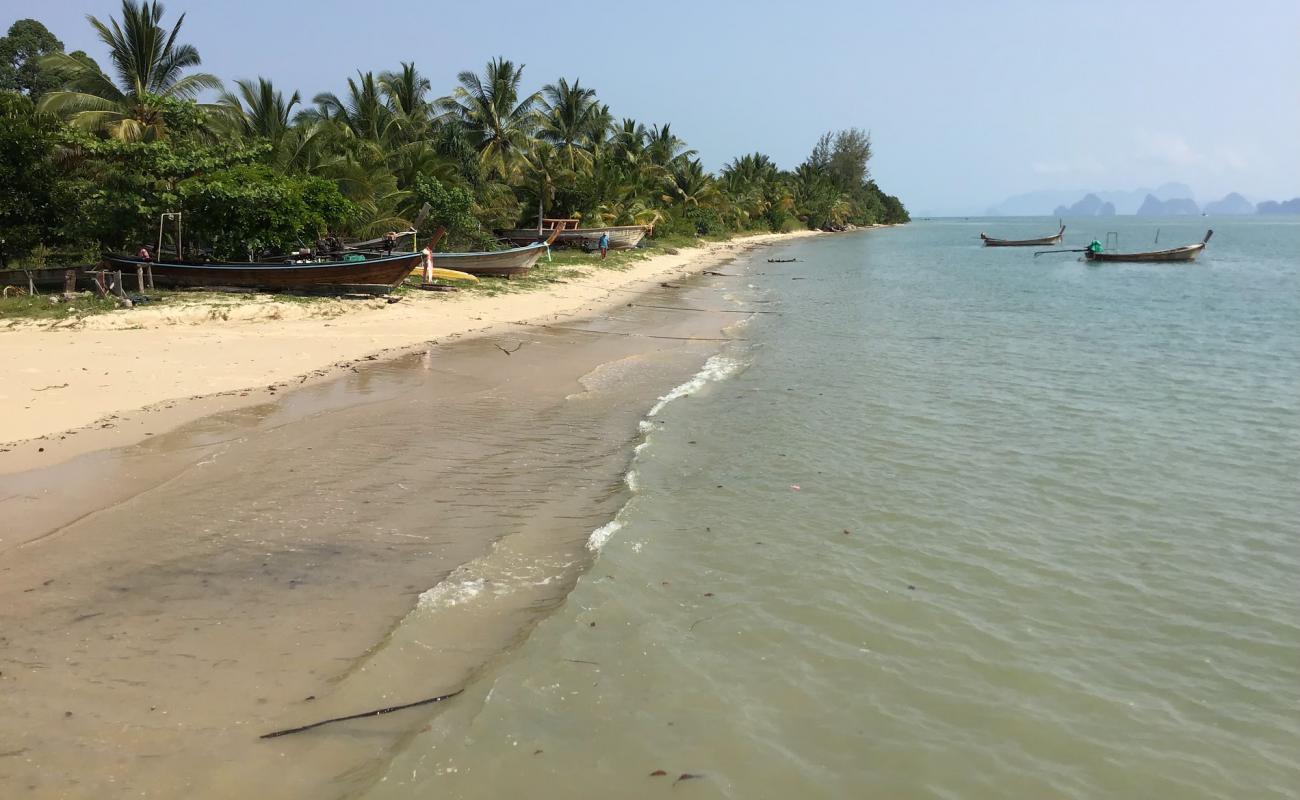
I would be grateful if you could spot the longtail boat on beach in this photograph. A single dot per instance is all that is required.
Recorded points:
(401, 244)
(355, 273)
(1055, 238)
(1187, 252)
(621, 237)
(499, 263)
(44, 279)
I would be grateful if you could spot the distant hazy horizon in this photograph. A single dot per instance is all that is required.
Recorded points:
(967, 105)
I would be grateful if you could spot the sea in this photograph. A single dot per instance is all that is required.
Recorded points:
(943, 521)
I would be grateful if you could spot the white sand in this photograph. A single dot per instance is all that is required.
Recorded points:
(77, 374)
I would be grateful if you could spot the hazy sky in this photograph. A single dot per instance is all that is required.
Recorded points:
(967, 102)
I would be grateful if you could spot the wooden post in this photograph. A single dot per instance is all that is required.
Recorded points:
(69, 281)
(139, 278)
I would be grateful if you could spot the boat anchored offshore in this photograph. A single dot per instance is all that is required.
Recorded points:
(1055, 238)
(1187, 252)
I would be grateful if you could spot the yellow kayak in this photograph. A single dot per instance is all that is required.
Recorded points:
(446, 274)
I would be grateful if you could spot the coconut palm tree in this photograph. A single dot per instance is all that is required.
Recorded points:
(490, 108)
(567, 112)
(260, 111)
(406, 93)
(627, 142)
(363, 111)
(150, 66)
(689, 183)
(664, 148)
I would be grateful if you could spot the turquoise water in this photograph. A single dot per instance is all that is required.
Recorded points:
(956, 523)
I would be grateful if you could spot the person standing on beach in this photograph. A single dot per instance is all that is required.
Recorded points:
(428, 263)
(604, 243)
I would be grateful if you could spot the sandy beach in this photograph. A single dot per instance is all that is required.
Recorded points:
(359, 521)
(108, 380)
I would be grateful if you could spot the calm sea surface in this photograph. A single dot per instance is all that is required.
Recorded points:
(955, 523)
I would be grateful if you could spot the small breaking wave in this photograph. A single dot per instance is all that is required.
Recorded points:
(717, 368)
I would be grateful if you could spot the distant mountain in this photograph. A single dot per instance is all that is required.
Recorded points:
(1291, 206)
(1037, 204)
(1176, 207)
(1231, 204)
(1090, 206)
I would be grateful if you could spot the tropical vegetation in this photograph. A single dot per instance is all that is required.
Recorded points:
(91, 157)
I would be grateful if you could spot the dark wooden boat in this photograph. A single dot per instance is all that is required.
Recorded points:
(1055, 238)
(372, 275)
(1187, 252)
(48, 279)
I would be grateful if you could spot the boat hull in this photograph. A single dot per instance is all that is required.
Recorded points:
(375, 275)
(989, 241)
(621, 237)
(1186, 253)
(46, 279)
(501, 264)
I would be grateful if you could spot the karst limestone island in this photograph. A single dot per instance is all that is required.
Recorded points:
(1168, 200)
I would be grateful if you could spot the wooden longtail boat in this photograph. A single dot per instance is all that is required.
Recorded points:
(500, 263)
(621, 237)
(1187, 252)
(402, 244)
(370, 275)
(44, 279)
(1055, 238)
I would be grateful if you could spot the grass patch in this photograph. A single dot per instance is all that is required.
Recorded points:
(43, 307)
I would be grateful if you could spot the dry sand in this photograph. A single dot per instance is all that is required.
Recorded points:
(72, 387)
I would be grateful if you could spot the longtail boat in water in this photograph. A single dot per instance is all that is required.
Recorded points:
(349, 274)
(1055, 238)
(1187, 252)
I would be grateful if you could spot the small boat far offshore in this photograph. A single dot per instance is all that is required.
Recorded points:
(1187, 252)
(1055, 238)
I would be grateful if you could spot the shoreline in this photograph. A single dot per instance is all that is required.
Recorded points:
(406, 523)
(269, 348)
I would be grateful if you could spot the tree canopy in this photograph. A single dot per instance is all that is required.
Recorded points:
(95, 157)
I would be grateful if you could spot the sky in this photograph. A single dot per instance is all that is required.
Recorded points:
(967, 103)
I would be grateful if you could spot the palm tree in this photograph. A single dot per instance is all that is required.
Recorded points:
(546, 167)
(491, 110)
(406, 93)
(664, 148)
(260, 111)
(149, 63)
(689, 183)
(628, 142)
(363, 112)
(566, 120)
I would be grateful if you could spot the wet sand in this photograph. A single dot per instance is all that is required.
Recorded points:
(165, 603)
